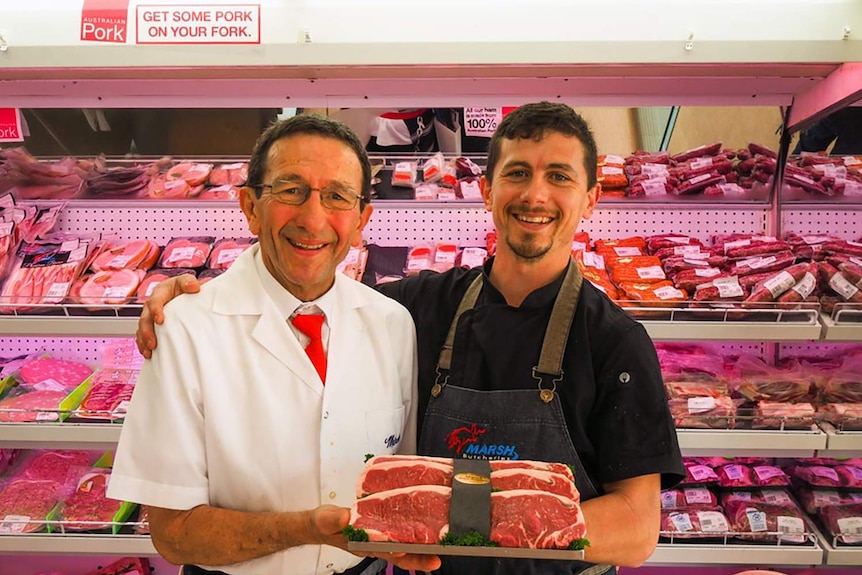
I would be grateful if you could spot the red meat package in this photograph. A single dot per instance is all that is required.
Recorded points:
(110, 395)
(736, 475)
(688, 497)
(51, 373)
(694, 523)
(88, 507)
(124, 566)
(764, 522)
(25, 504)
(844, 522)
(776, 497)
(188, 252)
(690, 386)
(420, 258)
(25, 404)
(154, 278)
(699, 475)
(813, 499)
(445, 254)
(229, 174)
(779, 386)
(778, 415)
(703, 412)
(128, 255)
(225, 252)
(815, 475)
(851, 476)
(59, 466)
(844, 416)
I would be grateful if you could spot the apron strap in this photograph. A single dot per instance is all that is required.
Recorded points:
(557, 332)
(467, 302)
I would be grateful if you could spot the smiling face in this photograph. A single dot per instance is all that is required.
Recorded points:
(302, 245)
(538, 196)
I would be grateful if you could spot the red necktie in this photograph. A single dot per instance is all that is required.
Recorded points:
(310, 325)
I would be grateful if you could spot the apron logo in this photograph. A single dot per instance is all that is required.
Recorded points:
(392, 441)
(459, 438)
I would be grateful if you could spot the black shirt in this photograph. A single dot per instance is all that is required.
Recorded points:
(612, 393)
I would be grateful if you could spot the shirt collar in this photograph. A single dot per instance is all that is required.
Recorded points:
(285, 302)
(537, 299)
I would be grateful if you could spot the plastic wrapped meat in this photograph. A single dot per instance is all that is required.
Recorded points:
(844, 416)
(843, 522)
(699, 475)
(764, 522)
(777, 497)
(154, 278)
(703, 412)
(226, 192)
(813, 499)
(775, 415)
(784, 388)
(851, 476)
(32, 406)
(816, 475)
(842, 388)
(59, 466)
(692, 387)
(107, 401)
(26, 500)
(68, 374)
(192, 174)
(90, 504)
(688, 497)
(229, 174)
(127, 255)
(694, 523)
(190, 252)
(225, 252)
(110, 287)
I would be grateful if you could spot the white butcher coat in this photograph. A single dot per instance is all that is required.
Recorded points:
(230, 411)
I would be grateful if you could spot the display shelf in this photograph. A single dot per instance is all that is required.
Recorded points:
(736, 554)
(751, 442)
(841, 443)
(69, 325)
(92, 436)
(845, 323)
(83, 544)
(837, 554)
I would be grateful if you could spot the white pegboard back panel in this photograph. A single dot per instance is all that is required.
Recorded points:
(846, 224)
(818, 349)
(401, 226)
(84, 349)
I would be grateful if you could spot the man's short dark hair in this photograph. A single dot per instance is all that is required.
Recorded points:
(535, 121)
(314, 124)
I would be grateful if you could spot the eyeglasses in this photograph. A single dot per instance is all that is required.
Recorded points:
(334, 197)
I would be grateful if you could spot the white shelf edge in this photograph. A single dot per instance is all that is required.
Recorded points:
(57, 544)
(840, 332)
(68, 325)
(731, 331)
(735, 554)
(754, 442)
(841, 440)
(69, 435)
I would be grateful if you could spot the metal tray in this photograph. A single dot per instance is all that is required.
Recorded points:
(464, 551)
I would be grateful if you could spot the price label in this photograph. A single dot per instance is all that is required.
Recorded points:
(611, 159)
(686, 250)
(651, 272)
(701, 404)
(767, 472)
(825, 472)
(425, 192)
(444, 256)
(473, 257)
(668, 500)
(806, 285)
(792, 527)
(122, 407)
(700, 178)
(701, 472)
(757, 263)
(482, 121)
(736, 244)
(14, 523)
(728, 287)
(116, 292)
(756, 520)
(47, 416)
(579, 246)
(594, 260)
(611, 171)
(741, 495)
(49, 385)
(779, 284)
(777, 497)
(57, 291)
(229, 255)
(470, 190)
(731, 189)
(712, 522)
(681, 521)
(734, 472)
(653, 188)
(178, 254)
(150, 289)
(697, 495)
(850, 526)
(118, 262)
(626, 252)
(701, 162)
(657, 169)
(668, 292)
(446, 195)
(707, 273)
(842, 287)
(822, 498)
(232, 166)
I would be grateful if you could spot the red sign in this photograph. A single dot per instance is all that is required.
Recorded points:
(10, 125)
(104, 21)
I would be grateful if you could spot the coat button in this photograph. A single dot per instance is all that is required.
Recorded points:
(329, 565)
(625, 377)
(332, 494)
(325, 415)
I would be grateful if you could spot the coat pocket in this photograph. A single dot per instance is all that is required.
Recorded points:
(384, 428)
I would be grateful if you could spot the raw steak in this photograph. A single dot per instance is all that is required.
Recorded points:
(89, 503)
(186, 252)
(30, 499)
(851, 477)
(397, 474)
(813, 500)
(496, 464)
(843, 522)
(753, 520)
(694, 523)
(229, 174)
(57, 466)
(816, 475)
(32, 406)
(699, 475)
(519, 518)
(69, 374)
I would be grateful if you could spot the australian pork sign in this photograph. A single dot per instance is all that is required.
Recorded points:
(104, 21)
(198, 24)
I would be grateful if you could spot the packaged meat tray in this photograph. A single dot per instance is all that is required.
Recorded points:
(234, 174)
(681, 498)
(736, 476)
(814, 499)
(777, 415)
(60, 373)
(763, 522)
(844, 416)
(777, 387)
(109, 287)
(696, 474)
(815, 475)
(88, 507)
(59, 466)
(694, 523)
(225, 252)
(418, 490)
(29, 405)
(106, 402)
(843, 522)
(776, 497)
(128, 255)
(703, 412)
(154, 278)
(188, 252)
(25, 504)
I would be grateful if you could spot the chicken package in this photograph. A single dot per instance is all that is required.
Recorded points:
(844, 522)
(763, 522)
(110, 287)
(813, 499)
(88, 507)
(135, 254)
(694, 523)
(683, 497)
(777, 497)
(154, 278)
(25, 504)
(234, 174)
(186, 252)
(226, 250)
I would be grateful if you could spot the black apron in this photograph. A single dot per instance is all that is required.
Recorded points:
(517, 424)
